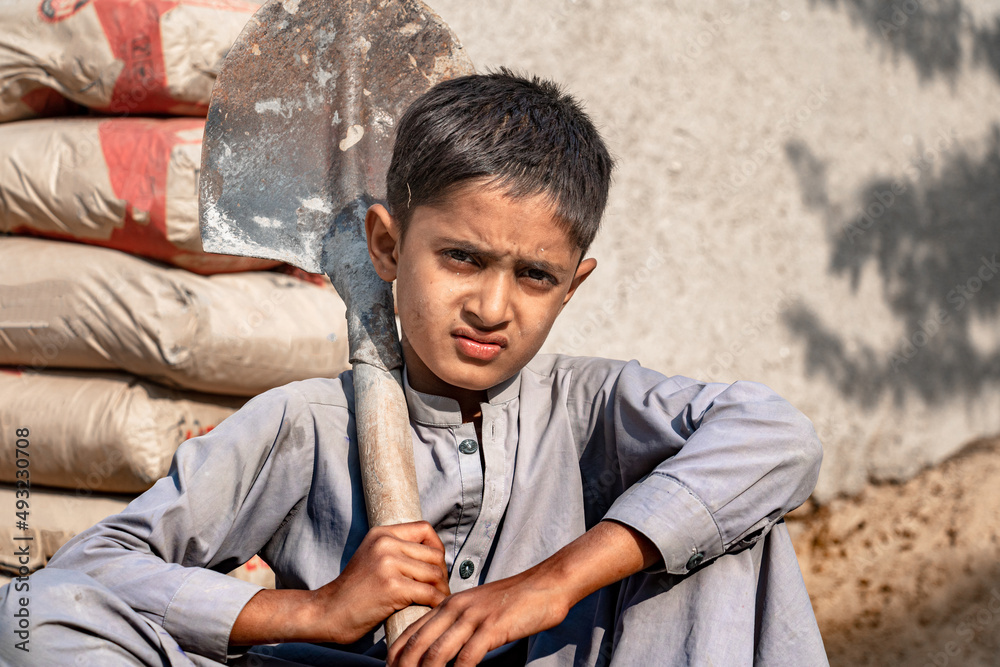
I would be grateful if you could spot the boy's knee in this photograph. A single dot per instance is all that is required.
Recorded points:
(49, 589)
(58, 613)
(41, 586)
(72, 614)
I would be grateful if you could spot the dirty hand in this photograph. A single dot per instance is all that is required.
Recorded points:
(394, 567)
(472, 623)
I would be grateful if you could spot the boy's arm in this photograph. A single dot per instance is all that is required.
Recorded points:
(705, 469)
(394, 567)
(470, 624)
(733, 460)
(226, 494)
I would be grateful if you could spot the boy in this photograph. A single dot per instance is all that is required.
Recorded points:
(578, 511)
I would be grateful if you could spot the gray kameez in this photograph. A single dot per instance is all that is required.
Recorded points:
(705, 471)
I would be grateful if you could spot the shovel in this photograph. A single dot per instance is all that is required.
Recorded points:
(297, 143)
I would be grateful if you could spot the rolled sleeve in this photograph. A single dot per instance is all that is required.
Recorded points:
(201, 615)
(673, 519)
(703, 468)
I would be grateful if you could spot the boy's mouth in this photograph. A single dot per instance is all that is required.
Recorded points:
(484, 347)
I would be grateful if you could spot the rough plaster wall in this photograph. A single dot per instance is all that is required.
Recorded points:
(749, 137)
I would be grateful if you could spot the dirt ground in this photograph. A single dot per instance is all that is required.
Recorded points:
(909, 574)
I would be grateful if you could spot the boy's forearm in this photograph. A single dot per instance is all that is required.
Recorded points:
(394, 567)
(273, 616)
(488, 616)
(605, 554)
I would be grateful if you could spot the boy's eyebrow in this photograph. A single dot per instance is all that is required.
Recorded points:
(473, 249)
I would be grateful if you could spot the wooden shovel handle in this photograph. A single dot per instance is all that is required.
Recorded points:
(402, 619)
(388, 475)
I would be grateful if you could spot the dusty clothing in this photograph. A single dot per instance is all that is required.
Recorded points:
(705, 471)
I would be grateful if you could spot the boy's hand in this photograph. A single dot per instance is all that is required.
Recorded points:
(472, 623)
(394, 567)
(469, 624)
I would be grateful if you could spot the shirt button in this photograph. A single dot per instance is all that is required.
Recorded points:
(468, 446)
(467, 567)
(695, 560)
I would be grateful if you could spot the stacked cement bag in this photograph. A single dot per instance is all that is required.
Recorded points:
(162, 354)
(124, 183)
(119, 336)
(66, 305)
(100, 431)
(116, 56)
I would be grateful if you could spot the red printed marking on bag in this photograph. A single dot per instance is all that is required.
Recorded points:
(133, 32)
(53, 11)
(138, 154)
(194, 433)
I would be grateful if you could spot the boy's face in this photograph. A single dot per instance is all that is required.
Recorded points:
(480, 280)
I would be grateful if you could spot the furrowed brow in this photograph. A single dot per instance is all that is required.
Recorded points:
(473, 249)
(470, 248)
(542, 265)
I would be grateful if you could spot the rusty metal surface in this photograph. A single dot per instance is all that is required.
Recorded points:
(302, 118)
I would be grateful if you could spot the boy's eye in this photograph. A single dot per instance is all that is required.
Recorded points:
(459, 256)
(537, 275)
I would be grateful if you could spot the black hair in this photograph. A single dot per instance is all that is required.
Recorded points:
(522, 135)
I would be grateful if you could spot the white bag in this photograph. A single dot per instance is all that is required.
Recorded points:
(106, 432)
(124, 183)
(117, 56)
(67, 305)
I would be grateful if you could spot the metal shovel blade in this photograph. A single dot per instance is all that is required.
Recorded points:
(302, 118)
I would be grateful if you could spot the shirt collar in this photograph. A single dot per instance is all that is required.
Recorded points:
(442, 411)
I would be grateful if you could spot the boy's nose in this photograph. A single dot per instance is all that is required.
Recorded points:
(490, 303)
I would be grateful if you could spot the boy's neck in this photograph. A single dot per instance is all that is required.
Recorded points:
(426, 382)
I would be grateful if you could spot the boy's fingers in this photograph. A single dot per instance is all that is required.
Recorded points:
(413, 531)
(401, 641)
(422, 594)
(424, 533)
(425, 554)
(427, 573)
(445, 646)
(420, 532)
(432, 539)
(475, 649)
(436, 641)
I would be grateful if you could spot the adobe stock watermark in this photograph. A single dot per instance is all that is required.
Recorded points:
(901, 13)
(624, 288)
(696, 45)
(264, 311)
(751, 329)
(959, 296)
(972, 623)
(790, 122)
(913, 170)
(558, 16)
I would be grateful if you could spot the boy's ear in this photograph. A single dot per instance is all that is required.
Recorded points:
(383, 241)
(583, 271)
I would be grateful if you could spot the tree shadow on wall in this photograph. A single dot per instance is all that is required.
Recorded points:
(932, 235)
(929, 34)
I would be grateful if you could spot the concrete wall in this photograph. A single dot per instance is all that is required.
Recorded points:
(807, 196)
